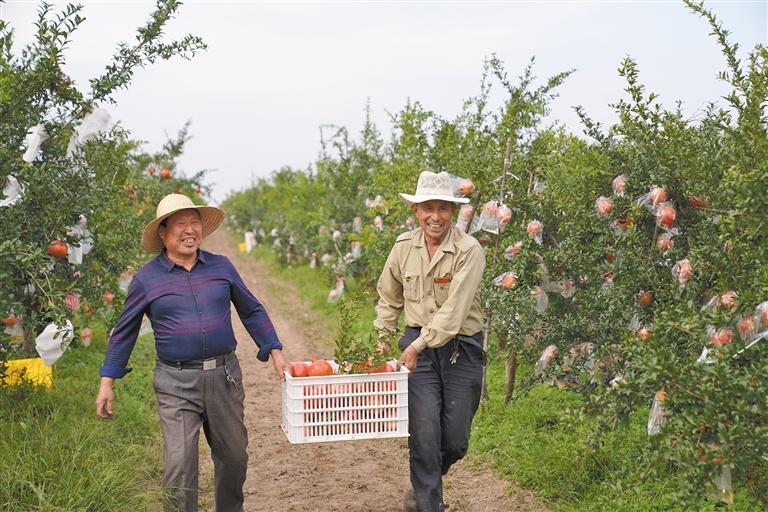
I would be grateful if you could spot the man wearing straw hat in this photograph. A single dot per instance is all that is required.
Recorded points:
(186, 293)
(433, 275)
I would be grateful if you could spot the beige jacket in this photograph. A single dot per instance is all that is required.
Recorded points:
(441, 296)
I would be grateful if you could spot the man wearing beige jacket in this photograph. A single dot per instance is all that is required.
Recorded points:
(433, 275)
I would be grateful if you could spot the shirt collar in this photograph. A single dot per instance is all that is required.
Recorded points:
(168, 265)
(447, 245)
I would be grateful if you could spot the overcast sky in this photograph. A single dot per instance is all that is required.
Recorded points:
(276, 71)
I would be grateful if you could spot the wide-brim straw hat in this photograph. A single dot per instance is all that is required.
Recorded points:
(433, 186)
(210, 216)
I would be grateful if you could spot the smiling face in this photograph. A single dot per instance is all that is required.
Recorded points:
(182, 234)
(434, 218)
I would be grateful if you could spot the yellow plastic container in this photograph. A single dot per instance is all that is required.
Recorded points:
(32, 370)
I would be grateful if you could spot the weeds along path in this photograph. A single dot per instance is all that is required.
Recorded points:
(349, 476)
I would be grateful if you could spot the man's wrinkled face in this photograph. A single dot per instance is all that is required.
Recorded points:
(434, 218)
(182, 233)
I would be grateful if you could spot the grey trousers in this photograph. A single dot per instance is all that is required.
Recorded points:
(442, 400)
(186, 400)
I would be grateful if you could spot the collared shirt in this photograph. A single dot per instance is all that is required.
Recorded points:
(189, 311)
(442, 295)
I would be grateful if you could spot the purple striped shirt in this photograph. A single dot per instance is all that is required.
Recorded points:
(189, 311)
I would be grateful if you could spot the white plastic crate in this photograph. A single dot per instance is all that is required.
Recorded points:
(345, 407)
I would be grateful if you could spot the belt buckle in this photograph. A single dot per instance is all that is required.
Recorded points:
(209, 364)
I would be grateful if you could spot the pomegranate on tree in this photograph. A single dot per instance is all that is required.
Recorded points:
(696, 202)
(644, 334)
(604, 206)
(721, 337)
(664, 242)
(727, 300)
(666, 215)
(619, 184)
(657, 195)
(58, 249)
(466, 187)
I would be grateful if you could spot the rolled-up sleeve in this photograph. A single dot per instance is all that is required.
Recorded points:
(125, 333)
(254, 316)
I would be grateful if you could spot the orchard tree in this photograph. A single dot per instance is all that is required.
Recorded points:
(76, 190)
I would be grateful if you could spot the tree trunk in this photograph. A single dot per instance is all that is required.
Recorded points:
(511, 373)
(27, 346)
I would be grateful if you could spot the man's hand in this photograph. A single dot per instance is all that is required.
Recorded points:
(279, 362)
(408, 358)
(105, 399)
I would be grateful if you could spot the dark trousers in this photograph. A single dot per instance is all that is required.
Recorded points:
(188, 399)
(442, 400)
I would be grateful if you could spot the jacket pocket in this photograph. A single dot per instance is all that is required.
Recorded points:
(441, 293)
(411, 288)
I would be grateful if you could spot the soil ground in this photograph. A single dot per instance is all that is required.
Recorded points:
(349, 476)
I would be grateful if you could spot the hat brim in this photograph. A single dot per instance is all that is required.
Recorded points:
(210, 216)
(421, 198)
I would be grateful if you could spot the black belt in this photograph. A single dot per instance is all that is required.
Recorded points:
(197, 364)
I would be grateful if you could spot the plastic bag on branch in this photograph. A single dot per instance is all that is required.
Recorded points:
(488, 217)
(539, 185)
(664, 242)
(250, 241)
(503, 215)
(75, 253)
(53, 341)
(336, 293)
(666, 218)
(535, 230)
(657, 414)
(93, 124)
(357, 224)
(15, 329)
(603, 206)
(378, 222)
(313, 260)
(721, 488)
(545, 360)
(506, 280)
(720, 337)
(682, 271)
(540, 296)
(357, 249)
(461, 187)
(655, 197)
(36, 135)
(619, 185)
(513, 250)
(72, 301)
(12, 191)
(567, 288)
(86, 337)
(465, 217)
(761, 315)
(581, 352)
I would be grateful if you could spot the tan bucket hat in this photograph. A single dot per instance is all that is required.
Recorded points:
(433, 186)
(210, 216)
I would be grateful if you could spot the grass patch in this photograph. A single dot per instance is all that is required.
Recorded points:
(533, 441)
(56, 455)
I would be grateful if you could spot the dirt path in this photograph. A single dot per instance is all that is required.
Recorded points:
(350, 476)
